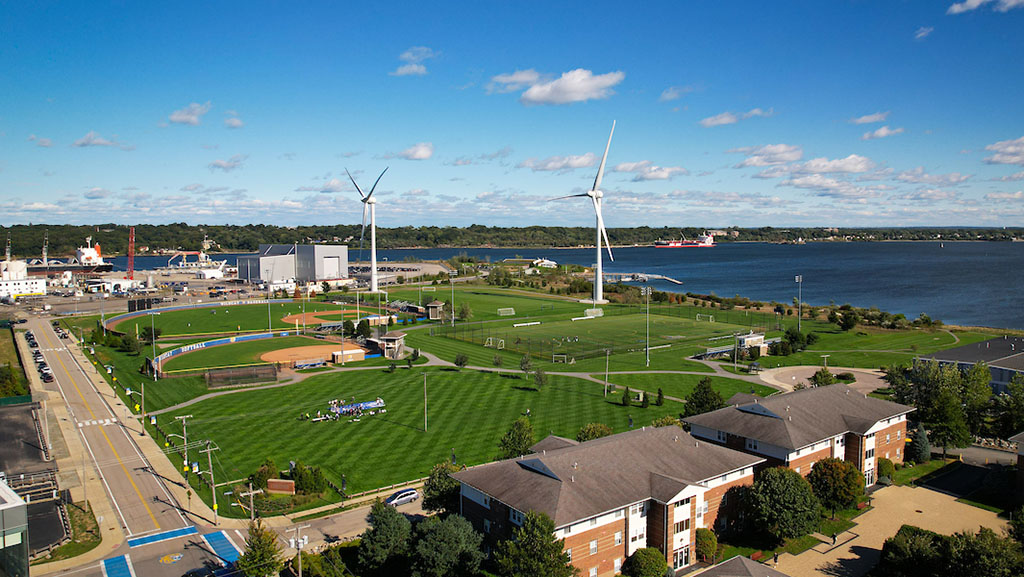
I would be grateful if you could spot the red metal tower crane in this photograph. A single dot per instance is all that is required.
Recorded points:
(131, 253)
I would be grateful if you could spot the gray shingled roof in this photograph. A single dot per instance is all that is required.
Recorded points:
(1005, 351)
(741, 567)
(795, 420)
(580, 481)
(552, 442)
(1018, 438)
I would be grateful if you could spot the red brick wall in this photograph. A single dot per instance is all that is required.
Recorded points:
(713, 497)
(881, 448)
(501, 527)
(607, 550)
(657, 536)
(806, 460)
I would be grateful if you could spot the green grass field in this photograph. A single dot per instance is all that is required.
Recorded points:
(485, 301)
(244, 353)
(680, 386)
(159, 394)
(467, 411)
(227, 319)
(9, 355)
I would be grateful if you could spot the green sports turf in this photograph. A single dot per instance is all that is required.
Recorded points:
(680, 386)
(485, 301)
(159, 394)
(226, 319)
(468, 411)
(244, 353)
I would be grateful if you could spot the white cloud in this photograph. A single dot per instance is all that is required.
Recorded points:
(851, 164)
(923, 32)
(1011, 178)
(577, 85)
(881, 133)
(968, 5)
(929, 195)
(232, 120)
(39, 206)
(331, 186)
(1019, 195)
(518, 80)
(229, 164)
(501, 153)
(93, 138)
(418, 151)
(200, 189)
(40, 141)
(732, 118)
(831, 187)
(560, 163)
(768, 155)
(674, 93)
(416, 192)
(645, 170)
(918, 175)
(191, 114)
(870, 118)
(413, 58)
(96, 192)
(1007, 152)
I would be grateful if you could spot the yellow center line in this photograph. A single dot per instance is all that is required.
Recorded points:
(104, 433)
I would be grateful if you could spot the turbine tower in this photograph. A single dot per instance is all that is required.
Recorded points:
(371, 203)
(596, 195)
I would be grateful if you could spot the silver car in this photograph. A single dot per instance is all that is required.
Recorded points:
(402, 497)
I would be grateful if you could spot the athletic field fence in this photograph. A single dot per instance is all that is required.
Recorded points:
(232, 376)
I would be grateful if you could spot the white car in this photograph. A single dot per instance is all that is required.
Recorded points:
(402, 497)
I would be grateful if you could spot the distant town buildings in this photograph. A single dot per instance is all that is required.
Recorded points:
(288, 263)
(15, 282)
(1002, 355)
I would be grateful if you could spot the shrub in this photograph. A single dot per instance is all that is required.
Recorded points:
(707, 543)
(886, 468)
(646, 562)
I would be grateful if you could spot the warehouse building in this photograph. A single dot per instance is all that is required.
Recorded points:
(284, 263)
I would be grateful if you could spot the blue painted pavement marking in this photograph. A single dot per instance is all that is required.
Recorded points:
(164, 536)
(222, 546)
(118, 567)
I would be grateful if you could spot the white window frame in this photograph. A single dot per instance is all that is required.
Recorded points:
(593, 547)
(618, 537)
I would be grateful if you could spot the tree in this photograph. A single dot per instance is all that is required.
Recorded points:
(836, 483)
(497, 360)
(949, 428)
(533, 551)
(593, 431)
(446, 547)
(326, 288)
(703, 399)
(441, 492)
(461, 360)
(919, 450)
(465, 312)
(626, 397)
(645, 562)
(661, 398)
(262, 555)
(517, 440)
(707, 544)
(363, 329)
(822, 378)
(268, 470)
(148, 332)
(977, 394)
(348, 328)
(782, 503)
(525, 365)
(1009, 408)
(665, 421)
(849, 320)
(911, 552)
(386, 542)
(1016, 529)
(130, 344)
(886, 468)
(540, 378)
(982, 553)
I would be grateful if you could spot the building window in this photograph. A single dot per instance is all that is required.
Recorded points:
(840, 442)
(593, 572)
(593, 547)
(618, 537)
(723, 436)
(887, 438)
(515, 516)
(568, 553)
(684, 503)
(617, 565)
(871, 436)
(487, 501)
(593, 522)
(798, 469)
(618, 513)
(897, 453)
(870, 453)
(898, 434)
(567, 530)
(683, 525)
(487, 525)
(681, 558)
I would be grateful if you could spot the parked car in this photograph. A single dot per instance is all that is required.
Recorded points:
(402, 497)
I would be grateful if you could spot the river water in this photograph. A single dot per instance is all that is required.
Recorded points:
(964, 283)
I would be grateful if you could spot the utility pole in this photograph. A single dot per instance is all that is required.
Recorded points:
(424, 402)
(646, 291)
(213, 487)
(298, 542)
(184, 437)
(252, 508)
(799, 300)
(607, 353)
(451, 279)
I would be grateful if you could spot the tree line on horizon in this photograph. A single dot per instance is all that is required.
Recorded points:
(27, 240)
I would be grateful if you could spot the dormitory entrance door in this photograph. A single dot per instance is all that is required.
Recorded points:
(681, 558)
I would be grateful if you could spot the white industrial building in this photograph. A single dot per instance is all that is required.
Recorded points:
(297, 264)
(15, 282)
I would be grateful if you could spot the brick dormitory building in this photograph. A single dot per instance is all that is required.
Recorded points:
(650, 487)
(653, 487)
(798, 429)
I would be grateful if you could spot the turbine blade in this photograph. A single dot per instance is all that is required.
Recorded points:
(569, 196)
(354, 183)
(375, 183)
(600, 169)
(604, 231)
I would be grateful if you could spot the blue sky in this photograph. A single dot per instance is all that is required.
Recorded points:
(793, 113)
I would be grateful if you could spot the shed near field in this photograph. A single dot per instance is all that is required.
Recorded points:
(349, 353)
(434, 311)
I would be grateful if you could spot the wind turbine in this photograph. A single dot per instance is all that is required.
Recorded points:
(596, 195)
(371, 203)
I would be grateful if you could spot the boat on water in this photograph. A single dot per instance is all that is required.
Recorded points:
(88, 259)
(704, 240)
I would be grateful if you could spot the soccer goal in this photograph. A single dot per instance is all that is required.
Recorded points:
(507, 312)
(489, 342)
(429, 289)
(559, 358)
(499, 344)
(705, 317)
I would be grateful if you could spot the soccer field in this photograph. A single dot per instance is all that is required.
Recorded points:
(485, 301)
(226, 319)
(468, 411)
(588, 338)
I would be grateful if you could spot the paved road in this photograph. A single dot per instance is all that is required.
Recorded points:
(141, 502)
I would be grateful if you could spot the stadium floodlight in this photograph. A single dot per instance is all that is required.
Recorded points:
(596, 196)
(369, 203)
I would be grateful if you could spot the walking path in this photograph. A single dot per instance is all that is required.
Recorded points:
(857, 551)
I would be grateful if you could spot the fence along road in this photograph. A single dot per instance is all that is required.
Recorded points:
(141, 501)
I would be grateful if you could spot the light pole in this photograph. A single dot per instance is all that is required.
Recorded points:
(424, 402)
(646, 291)
(298, 542)
(210, 448)
(607, 354)
(184, 438)
(824, 359)
(799, 300)
(270, 324)
(451, 280)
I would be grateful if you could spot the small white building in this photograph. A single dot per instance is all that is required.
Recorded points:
(753, 341)
(15, 282)
(209, 274)
(544, 263)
